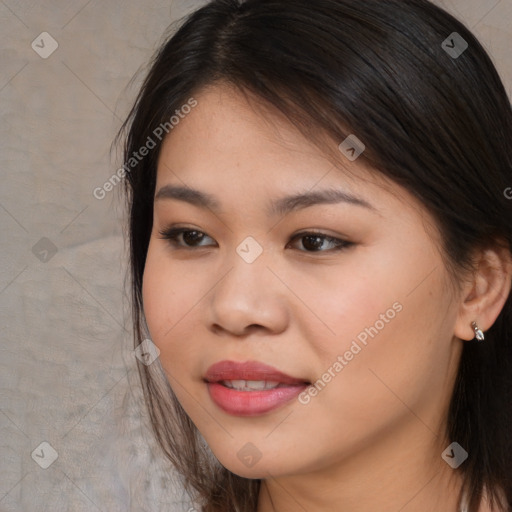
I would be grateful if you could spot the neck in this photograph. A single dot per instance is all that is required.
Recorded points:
(394, 475)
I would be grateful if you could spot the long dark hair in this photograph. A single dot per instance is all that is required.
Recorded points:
(437, 123)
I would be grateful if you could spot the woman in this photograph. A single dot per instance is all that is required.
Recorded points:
(321, 235)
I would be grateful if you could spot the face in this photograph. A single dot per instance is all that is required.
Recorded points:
(341, 303)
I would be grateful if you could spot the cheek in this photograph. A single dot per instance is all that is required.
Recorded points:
(401, 365)
(164, 296)
(348, 301)
(170, 299)
(390, 322)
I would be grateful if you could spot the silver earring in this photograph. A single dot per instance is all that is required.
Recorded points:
(479, 335)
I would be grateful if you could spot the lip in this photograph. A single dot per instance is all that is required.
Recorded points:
(250, 403)
(249, 370)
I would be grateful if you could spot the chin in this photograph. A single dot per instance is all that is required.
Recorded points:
(255, 468)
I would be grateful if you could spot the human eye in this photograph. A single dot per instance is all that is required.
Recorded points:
(185, 238)
(311, 241)
(315, 241)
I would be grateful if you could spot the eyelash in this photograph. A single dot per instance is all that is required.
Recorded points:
(172, 234)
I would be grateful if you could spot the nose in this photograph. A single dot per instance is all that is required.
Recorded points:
(249, 298)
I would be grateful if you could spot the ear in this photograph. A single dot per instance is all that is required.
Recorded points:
(485, 294)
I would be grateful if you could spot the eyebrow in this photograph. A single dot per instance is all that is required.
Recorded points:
(280, 206)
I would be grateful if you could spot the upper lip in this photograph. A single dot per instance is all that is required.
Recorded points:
(249, 370)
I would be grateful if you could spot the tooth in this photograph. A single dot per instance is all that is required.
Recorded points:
(256, 385)
(250, 385)
(238, 384)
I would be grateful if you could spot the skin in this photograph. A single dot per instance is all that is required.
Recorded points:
(372, 439)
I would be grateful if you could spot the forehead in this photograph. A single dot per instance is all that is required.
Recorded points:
(234, 138)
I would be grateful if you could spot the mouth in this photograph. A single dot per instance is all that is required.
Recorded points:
(250, 388)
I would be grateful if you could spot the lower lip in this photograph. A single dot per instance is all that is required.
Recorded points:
(251, 403)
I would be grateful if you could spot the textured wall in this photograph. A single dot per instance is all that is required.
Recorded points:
(67, 372)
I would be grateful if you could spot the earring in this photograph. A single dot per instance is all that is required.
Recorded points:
(479, 335)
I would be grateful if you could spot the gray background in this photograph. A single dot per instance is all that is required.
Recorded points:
(67, 370)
